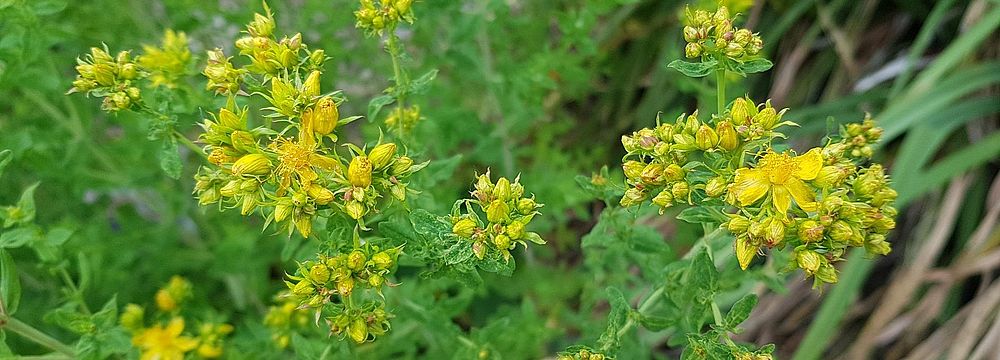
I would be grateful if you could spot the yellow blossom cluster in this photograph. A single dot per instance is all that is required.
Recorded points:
(167, 63)
(292, 173)
(818, 203)
(167, 340)
(507, 212)
(713, 34)
(284, 317)
(330, 281)
(376, 16)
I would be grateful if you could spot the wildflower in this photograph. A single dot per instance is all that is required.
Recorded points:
(168, 62)
(164, 343)
(783, 177)
(298, 161)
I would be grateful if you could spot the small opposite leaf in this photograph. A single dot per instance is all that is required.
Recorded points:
(693, 69)
(376, 105)
(170, 160)
(703, 214)
(754, 66)
(655, 323)
(740, 311)
(5, 157)
(10, 284)
(419, 85)
(535, 238)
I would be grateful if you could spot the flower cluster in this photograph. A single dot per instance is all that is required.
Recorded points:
(375, 16)
(507, 212)
(819, 202)
(165, 338)
(293, 173)
(113, 79)
(282, 319)
(167, 63)
(713, 34)
(329, 283)
(403, 118)
(581, 353)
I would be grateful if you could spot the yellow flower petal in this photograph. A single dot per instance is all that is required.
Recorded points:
(745, 252)
(781, 198)
(175, 327)
(804, 196)
(809, 164)
(750, 185)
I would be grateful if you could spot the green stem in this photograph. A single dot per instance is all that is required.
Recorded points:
(77, 294)
(400, 78)
(720, 86)
(189, 144)
(719, 322)
(30, 333)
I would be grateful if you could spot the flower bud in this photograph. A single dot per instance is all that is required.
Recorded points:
(633, 169)
(304, 225)
(680, 190)
(502, 242)
(743, 37)
(319, 274)
(359, 172)
(515, 230)
(737, 224)
(633, 196)
(464, 228)
(673, 172)
(401, 166)
(766, 118)
(526, 206)
(690, 34)
(808, 260)
(502, 189)
(243, 141)
(830, 176)
(706, 138)
(261, 25)
(303, 288)
(325, 116)
(734, 50)
(208, 196)
(310, 88)
(132, 317)
(381, 155)
(128, 71)
(320, 194)
(715, 186)
(358, 330)
(652, 174)
(841, 231)
(282, 211)
(664, 199)
(745, 251)
(479, 249)
(354, 209)
(382, 260)
(827, 273)
(629, 143)
(728, 139)
(230, 120)
(356, 260)
(249, 204)
(877, 244)
(810, 231)
(774, 232)
(317, 57)
(252, 164)
(740, 111)
(692, 50)
(497, 211)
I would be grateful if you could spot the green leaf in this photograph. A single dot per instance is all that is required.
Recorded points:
(754, 66)
(703, 275)
(427, 224)
(740, 311)
(655, 322)
(458, 252)
(703, 214)
(10, 284)
(26, 205)
(5, 158)
(19, 237)
(535, 238)
(376, 105)
(696, 70)
(420, 84)
(170, 159)
(616, 317)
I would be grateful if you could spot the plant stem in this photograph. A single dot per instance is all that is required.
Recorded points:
(401, 80)
(189, 144)
(720, 86)
(30, 333)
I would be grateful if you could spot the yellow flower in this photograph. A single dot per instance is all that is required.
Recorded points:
(167, 63)
(297, 159)
(164, 343)
(782, 176)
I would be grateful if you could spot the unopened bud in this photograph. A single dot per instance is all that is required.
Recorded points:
(252, 164)
(464, 228)
(498, 211)
(382, 155)
(706, 138)
(810, 231)
(808, 260)
(359, 172)
(715, 186)
(325, 116)
(728, 139)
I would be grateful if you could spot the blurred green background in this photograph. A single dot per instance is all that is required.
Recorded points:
(544, 89)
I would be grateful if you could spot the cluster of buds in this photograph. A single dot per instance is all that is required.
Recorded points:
(329, 281)
(270, 56)
(839, 200)
(167, 63)
(168, 340)
(507, 212)
(403, 118)
(362, 324)
(290, 178)
(713, 34)
(369, 176)
(376, 16)
(582, 353)
(170, 297)
(284, 317)
(113, 79)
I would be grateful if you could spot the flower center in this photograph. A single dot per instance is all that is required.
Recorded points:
(294, 156)
(778, 167)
